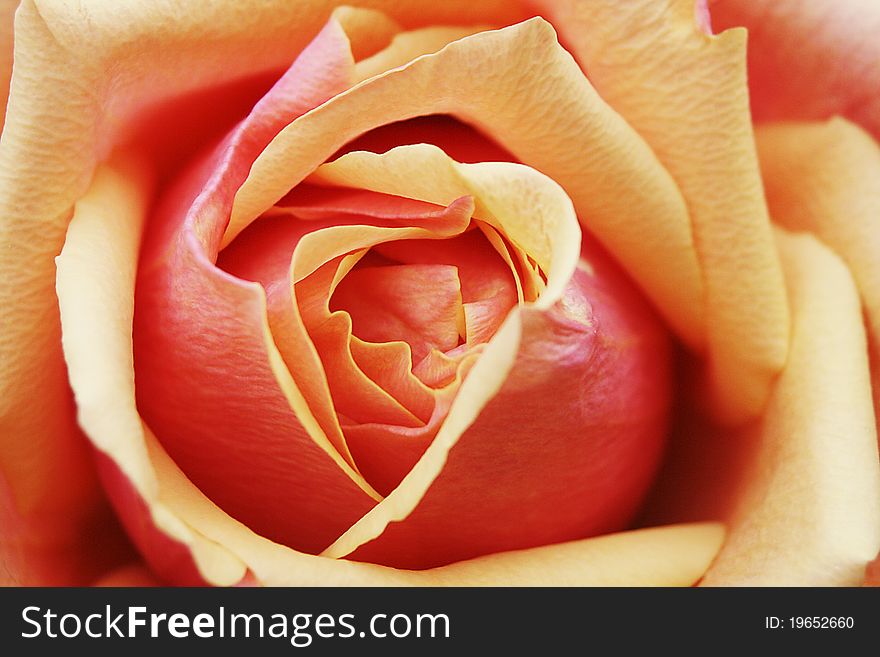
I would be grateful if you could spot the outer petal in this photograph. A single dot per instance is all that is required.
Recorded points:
(808, 510)
(78, 86)
(186, 538)
(685, 92)
(824, 178)
(810, 60)
(519, 87)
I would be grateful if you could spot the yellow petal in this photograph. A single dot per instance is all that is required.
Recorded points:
(77, 87)
(526, 207)
(674, 555)
(808, 510)
(95, 283)
(685, 92)
(822, 177)
(520, 87)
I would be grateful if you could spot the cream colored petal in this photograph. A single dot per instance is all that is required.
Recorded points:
(808, 509)
(406, 46)
(526, 207)
(674, 555)
(686, 94)
(824, 177)
(79, 81)
(95, 283)
(520, 87)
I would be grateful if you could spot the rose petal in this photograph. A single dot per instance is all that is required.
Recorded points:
(615, 181)
(685, 92)
(822, 178)
(189, 314)
(810, 60)
(77, 88)
(355, 394)
(7, 13)
(808, 509)
(872, 573)
(420, 304)
(488, 290)
(676, 555)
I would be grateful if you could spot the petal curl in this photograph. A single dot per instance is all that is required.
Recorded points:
(520, 87)
(810, 60)
(808, 505)
(685, 92)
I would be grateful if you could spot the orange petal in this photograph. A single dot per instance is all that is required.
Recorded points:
(488, 290)
(872, 573)
(420, 304)
(355, 395)
(37, 550)
(810, 60)
(808, 509)
(282, 251)
(685, 92)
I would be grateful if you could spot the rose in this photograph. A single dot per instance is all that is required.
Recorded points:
(786, 396)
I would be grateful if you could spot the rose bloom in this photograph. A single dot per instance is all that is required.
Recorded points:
(447, 293)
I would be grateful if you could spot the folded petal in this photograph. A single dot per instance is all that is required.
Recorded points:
(546, 114)
(208, 370)
(685, 93)
(810, 60)
(822, 178)
(807, 508)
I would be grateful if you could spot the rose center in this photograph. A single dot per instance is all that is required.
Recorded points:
(439, 297)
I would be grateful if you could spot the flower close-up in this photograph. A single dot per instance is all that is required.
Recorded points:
(394, 293)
